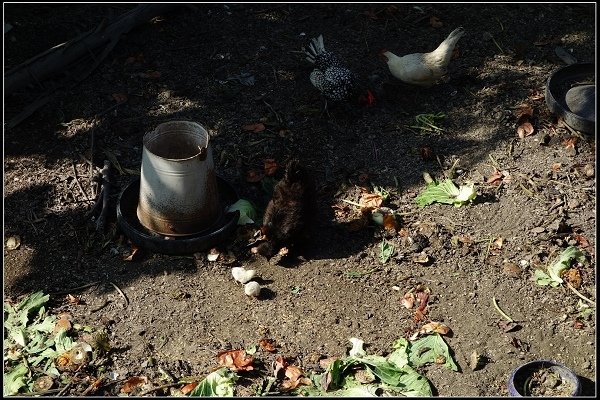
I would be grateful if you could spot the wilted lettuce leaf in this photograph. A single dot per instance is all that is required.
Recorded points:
(427, 349)
(446, 192)
(216, 384)
(564, 262)
(14, 381)
(246, 209)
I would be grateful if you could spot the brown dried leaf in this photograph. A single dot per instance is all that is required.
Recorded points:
(525, 129)
(408, 301)
(435, 22)
(267, 345)
(363, 178)
(495, 178)
(508, 326)
(324, 362)
(120, 97)
(556, 166)
(581, 240)
(426, 153)
(253, 176)
(421, 258)
(73, 299)
(150, 74)
(188, 388)
(134, 252)
(371, 200)
(254, 128)
(133, 383)
(524, 113)
(433, 326)
(578, 324)
(235, 360)
(573, 277)
(570, 142)
(270, 167)
(280, 364)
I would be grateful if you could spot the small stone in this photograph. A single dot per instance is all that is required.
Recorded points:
(586, 364)
(588, 169)
(538, 229)
(475, 361)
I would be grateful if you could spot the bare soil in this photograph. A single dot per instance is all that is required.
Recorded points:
(182, 310)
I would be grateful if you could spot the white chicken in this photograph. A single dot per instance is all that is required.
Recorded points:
(423, 69)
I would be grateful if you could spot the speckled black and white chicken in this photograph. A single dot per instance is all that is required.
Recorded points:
(333, 78)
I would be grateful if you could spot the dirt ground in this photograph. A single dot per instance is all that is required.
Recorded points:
(183, 310)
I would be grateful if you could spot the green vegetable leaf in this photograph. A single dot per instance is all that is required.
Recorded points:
(387, 251)
(30, 304)
(14, 380)
(246, 209)
(427, 349)
(446, 192)
(543, 279)
(219, 383)
(564, 262)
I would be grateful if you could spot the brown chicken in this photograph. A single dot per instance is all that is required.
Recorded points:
(423, 69)
(289, 212)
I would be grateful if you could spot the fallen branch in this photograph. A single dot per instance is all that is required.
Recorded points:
(56, 59)
(121, 293)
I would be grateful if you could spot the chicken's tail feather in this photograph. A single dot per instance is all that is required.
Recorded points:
(315, 47)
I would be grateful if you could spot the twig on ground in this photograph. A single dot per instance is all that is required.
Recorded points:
(75, 289)
(121, 293)
(580, 295)
(77, 181)
(509, 319)
(101, 221)
(161, 387)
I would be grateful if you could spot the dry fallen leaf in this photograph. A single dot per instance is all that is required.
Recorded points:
(120, 97)
(525, 129)
(421, 258)
(507, 326)
(573, 277)
(577, 324)
(524, 113)
(556, 166)
(270, 167)
(73, 299)
(581, 240)
(235, 360)
(433, 326)
(133, 383)
(324, 362)
(426, 153)
(408, 301)
(188, 388)
(254, 128)
(134, 252)
(495, 178)
(268, 345)
(435, 22)
(150, 74)
(570, 142)
(253, 176)
(370, 200)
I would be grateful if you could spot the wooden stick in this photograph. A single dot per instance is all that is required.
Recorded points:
(101, 221)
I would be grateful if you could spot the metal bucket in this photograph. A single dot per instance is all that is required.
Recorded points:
(178, 186)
